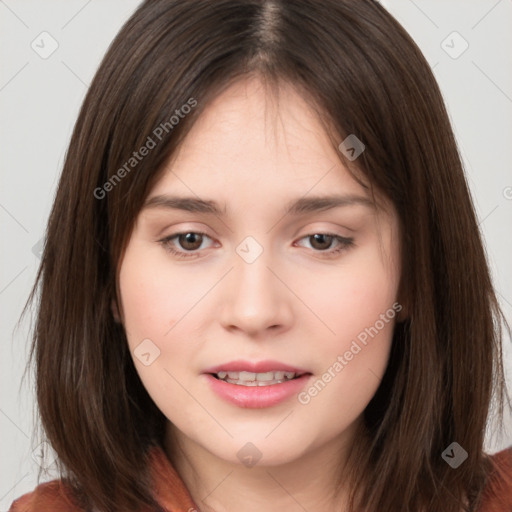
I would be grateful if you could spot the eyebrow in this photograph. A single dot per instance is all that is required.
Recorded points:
(295, 207)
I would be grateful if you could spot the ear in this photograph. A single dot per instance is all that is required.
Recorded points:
(115, 311)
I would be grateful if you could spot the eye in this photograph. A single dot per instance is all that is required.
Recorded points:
(322, 242)
(191, 242)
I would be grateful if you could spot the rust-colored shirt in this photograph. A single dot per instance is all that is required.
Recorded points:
(172, 494)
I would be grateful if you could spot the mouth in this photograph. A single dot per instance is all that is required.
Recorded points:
(245, 378)
(256, 384)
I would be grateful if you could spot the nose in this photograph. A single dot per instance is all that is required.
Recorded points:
(257, 300)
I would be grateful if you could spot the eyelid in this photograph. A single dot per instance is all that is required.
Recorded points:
(189, 227)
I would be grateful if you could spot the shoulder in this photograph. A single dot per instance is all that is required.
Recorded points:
(52, 496)
(56, 496)
(497, 495)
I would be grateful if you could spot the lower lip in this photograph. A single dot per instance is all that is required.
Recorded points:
(257, 397)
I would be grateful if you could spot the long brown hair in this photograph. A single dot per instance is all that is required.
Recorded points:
(366, 76)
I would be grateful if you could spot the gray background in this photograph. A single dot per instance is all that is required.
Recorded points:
(39, 102)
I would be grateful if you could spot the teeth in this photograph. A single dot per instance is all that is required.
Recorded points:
(256, 379)
(245, 376)
(265, 376)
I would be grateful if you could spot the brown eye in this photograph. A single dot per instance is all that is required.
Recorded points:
(190, 241)
(184, 245)
(321, 241)
(328, 244)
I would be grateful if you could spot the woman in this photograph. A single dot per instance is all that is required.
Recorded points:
(197, 346)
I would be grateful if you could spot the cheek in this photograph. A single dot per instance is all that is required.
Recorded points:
(142, 302)
(358, 304)
(353, 298)
(152, 306)
(153, 299)
(362, 313)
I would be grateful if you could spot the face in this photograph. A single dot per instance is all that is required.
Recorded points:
(259, 322)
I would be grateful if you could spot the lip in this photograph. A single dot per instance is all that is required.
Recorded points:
(255, 367)
(256, 397)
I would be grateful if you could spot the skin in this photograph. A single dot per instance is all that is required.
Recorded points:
(293, 304)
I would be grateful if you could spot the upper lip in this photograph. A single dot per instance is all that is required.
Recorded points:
(255, 367)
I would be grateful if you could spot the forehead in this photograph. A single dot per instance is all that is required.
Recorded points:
(249, 138)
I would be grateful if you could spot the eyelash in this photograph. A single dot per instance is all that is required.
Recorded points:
(345, 243)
